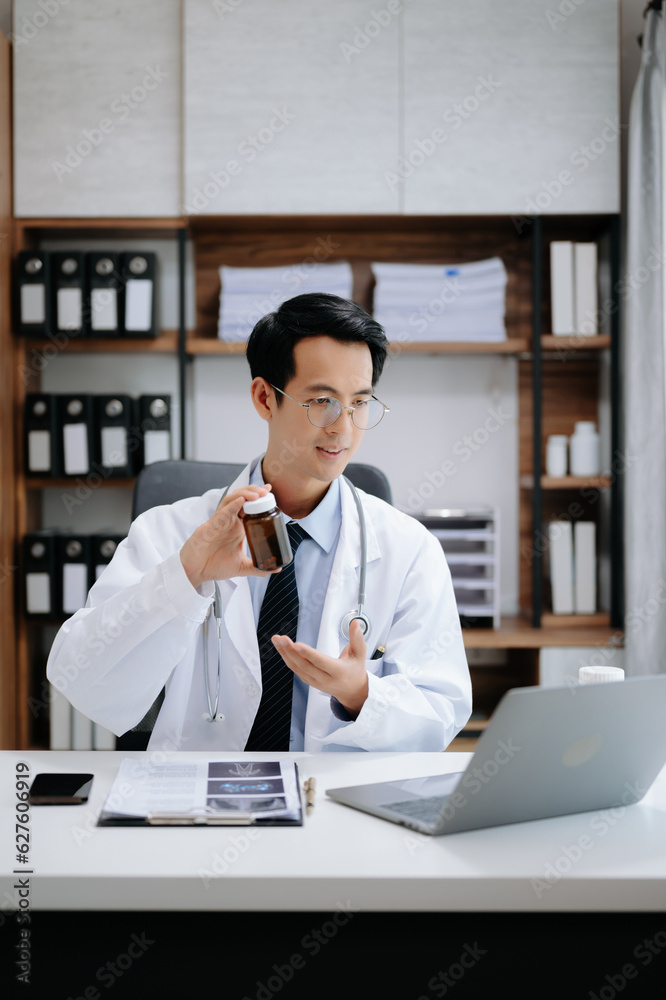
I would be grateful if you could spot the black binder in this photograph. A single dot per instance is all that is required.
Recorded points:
(70, 299)
(102, 551)
(138, 276)
(42, 454)
(74, 572)
(154, 421)
(116, 441)
(106, 294)
(41, 595)
(33, 293)
(76, 428)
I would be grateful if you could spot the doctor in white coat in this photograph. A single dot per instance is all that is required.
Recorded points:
(404, 685)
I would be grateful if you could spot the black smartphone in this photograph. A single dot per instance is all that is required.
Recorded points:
(60, 789)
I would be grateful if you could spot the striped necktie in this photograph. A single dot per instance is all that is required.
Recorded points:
(279, 616)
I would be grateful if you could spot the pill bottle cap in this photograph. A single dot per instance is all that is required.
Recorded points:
(585, 427)
(599, 675)
(558, 439)
(260, 506)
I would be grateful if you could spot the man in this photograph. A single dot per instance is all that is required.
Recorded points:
(403, 685)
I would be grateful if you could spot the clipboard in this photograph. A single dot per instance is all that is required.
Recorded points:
(204, 792)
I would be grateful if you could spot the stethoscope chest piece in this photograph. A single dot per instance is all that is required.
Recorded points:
(349, 618)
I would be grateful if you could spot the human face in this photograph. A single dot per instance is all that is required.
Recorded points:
(297, 451)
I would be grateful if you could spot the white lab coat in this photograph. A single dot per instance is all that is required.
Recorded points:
(142, 629)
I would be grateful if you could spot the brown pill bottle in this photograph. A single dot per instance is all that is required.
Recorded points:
(266, 533)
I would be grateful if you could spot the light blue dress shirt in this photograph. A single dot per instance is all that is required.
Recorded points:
(313, 563)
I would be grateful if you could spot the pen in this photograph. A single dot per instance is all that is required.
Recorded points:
(309, 788)
(378, 653)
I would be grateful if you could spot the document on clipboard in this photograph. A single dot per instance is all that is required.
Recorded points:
(204, 793)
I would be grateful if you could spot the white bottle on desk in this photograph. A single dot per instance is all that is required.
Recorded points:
(584, 459)
(600, 675)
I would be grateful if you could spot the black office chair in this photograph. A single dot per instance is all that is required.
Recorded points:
(166, 482)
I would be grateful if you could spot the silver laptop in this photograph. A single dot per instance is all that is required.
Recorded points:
(546, 752)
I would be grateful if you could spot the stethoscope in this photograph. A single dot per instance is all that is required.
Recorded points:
(213, 709)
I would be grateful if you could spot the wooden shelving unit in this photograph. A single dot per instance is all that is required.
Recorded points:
(512, 345)
(165, 343)
(545, 365)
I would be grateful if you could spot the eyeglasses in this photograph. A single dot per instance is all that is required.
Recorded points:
(325, 410)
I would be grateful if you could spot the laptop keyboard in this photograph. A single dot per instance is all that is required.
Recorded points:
(426, 810)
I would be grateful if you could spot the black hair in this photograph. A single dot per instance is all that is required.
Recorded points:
(270, 348)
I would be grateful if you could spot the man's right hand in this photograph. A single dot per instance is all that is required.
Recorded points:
(216, 549)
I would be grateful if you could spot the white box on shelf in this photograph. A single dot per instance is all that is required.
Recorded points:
(585, 289)
(562, 287)
(585, 567)
(560, 539)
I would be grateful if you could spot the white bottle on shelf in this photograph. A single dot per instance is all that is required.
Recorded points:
(584, 457)
(556, 456)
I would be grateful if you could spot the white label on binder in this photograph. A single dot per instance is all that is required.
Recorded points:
(74, 587)
(114, 447)
(69, 304)
(38, 593)
(138, 305)
(75, 439)
(33, 304)
(104, 309)
(157, 446)
(39, 451)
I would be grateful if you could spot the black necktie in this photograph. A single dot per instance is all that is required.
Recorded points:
(278, 616)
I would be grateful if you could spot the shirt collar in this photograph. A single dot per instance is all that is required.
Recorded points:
(323, 523)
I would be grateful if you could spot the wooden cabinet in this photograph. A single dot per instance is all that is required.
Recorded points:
(405, 108)
(506, 111)
(306, 123)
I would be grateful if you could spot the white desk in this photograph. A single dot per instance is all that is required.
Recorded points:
(339, 854)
